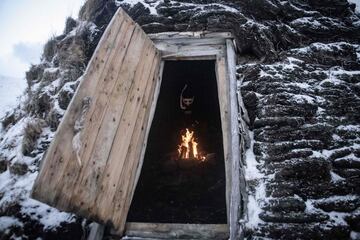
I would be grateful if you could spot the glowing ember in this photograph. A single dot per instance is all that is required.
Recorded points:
(189, 147)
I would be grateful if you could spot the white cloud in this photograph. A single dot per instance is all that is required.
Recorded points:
(25, 25)
(357, 3)
(12, 66)
(28, 52)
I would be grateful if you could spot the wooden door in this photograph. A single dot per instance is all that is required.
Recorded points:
(90, 166)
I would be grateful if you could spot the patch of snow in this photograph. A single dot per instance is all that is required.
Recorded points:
(336, 137)
(264, 74)
(253, 173)
(310, 21)
(340, 71)
(317, 154)
(309, 206)
(254, 206)
(338, 218)
(300, 98)
(151, 5)
(352, 128)
(204, 8)
(293, 60)
(11, 140)
(48, 216)
(7, 222)
(355, 235)
(317, 46)
(349, 197)
(5, 180)
(16, 187)
(335, 178)
(300, 85)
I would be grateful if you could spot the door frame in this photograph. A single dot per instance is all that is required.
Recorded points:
(220, 47)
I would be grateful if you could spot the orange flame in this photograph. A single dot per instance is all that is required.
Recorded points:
(189, 147)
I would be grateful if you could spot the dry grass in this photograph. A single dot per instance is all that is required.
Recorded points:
(49, 49)
(32, 133)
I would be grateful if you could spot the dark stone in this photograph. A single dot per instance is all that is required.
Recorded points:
(316, 132)
(18, 169)
(41, 105)
(340, 153)
(302, 231)
(98, 11)
(354, 222)
(35, 73)
(138, 11)
(11, 209)
(53, 119)
(275, 149)
(299, 154)
(346, 163)
(286, 111)
(70, 24)
(344, 205)
(279, 122)
(250, 101)
(306, 188)
(293, 217)
(285, 205)
(65, 96)
(314, 169)
(3, 165)
(50, 76)
(8, 119)
(347, 173)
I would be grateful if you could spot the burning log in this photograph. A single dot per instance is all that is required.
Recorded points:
(188, 148)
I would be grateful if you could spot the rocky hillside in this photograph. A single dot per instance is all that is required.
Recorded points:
(298, 75)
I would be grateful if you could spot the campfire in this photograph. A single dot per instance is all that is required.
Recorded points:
(188, 148)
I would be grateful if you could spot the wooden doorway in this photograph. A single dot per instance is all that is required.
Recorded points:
(94, 162)
(219, 48)
(173, 187)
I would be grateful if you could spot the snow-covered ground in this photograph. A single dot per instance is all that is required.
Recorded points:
(10, 91)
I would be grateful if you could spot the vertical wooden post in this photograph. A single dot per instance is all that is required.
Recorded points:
(96, 231)
(235, 230)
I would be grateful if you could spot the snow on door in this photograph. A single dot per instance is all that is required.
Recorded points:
(90, 166)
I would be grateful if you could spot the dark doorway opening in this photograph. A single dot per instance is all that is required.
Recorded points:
(178, 184)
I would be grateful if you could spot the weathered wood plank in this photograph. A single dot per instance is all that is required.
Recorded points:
(177, 231)
(128, 174)
(106, 113)
(223, 89)
(192, 52)
(113, 103)
(96, 231)
(152, 103)
(81, 182)
(235, 229)
(192, 35)
(117, 158)
(53, 169)
(190, 42)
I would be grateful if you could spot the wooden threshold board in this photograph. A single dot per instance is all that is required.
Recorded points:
(136, 230)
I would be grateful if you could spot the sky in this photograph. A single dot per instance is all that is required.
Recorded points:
(25, 26)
